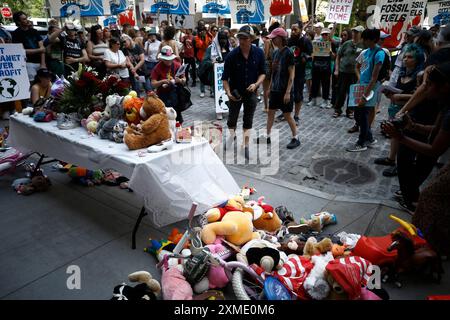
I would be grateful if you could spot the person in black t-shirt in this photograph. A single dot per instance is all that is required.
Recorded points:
(32, 42)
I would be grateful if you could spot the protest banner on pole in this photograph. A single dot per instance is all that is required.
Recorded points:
(321, 48)
(249, 11)
(339, 11)
(87, 8)
(14, 83)
(303, 11)
(170, 6)
(214, 8)
(439, 12)
(395, 17)
(220, 96)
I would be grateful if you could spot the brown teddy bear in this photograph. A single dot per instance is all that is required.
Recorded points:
(312, 247)
(151, 131)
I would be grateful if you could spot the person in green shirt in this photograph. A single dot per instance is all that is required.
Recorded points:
(345, 68)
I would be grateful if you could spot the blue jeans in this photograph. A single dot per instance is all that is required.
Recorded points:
(362, 120)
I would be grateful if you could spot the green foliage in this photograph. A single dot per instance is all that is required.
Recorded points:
(34, 8)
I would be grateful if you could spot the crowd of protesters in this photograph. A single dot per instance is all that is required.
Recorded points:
(280, 67)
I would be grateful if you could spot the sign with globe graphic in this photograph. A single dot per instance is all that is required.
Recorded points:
(8, 88)
(14, 83)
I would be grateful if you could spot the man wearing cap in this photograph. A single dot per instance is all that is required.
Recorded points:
(318, 30)
(345, 68)
(244, 71)
(281, 88)
(74, 50)
(165, 81)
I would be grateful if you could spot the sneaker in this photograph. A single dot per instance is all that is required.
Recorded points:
(408, 207)
(353, 129)
(202, 95)
(372, 143)
(325, 105)
(67, 121)
(296, 120)
(385, 161)
(398, 195)
(390, 172)
(357, 148)
(293, 144)
(312, 102)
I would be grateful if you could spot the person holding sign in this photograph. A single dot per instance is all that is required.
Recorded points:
(323, 49)
(368, 66)
(282, 85)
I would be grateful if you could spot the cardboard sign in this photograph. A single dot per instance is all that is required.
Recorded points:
(356, 93)
(303, 10)
(249, 11)
(439, 12)
(220, 96)
(14, 83)
(321, 48)
(339, 11)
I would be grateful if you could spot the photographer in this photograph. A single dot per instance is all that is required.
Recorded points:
(216, 53)
(243, 73)
(425, 153)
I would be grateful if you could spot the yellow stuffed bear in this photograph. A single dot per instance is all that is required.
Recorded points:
(151, 131)
(236, 226)
(235, 203)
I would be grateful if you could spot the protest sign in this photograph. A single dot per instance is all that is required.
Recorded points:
(220, 96)
(439, 12)
(321, 48)
(14, 83)
(86, 8)
(214, 8)
(356, 93)
(170, 6)
(249, 11)
(303, 11)
(339, 11)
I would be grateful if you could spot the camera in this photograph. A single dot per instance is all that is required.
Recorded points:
(235, 93)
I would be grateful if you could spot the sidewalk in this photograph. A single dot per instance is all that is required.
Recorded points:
(42, 234)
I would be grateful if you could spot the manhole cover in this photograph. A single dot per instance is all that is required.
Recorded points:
(343, 171)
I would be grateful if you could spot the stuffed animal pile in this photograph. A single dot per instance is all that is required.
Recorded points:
(307, 263)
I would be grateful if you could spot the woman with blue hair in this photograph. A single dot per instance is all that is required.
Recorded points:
(407, 82)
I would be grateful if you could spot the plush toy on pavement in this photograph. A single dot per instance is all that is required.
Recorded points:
(262, 253)
(147, 289)
(312, 247)
(316, 284)
(152, 131)
(236, 226)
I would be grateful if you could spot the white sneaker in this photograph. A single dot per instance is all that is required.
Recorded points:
(372, 143)
(313, 102)
(202, 95)
(325, 105)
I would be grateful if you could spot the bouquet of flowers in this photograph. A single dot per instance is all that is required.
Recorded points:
(113, 84)
(80, 93)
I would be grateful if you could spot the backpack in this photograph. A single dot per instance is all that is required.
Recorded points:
(384, 71)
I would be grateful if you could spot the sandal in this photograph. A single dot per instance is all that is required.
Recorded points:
(337, 114)
(385, 161)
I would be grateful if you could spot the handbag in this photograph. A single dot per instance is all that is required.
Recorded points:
(183, 99)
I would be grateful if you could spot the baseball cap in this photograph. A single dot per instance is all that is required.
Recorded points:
(166, 53)
(325, 30)
(152, 31)
(278, 32)
(384, 35)
(358, 29)
(330, 26)
(413, 31)
(70, 26)
(246, 32)
(319, 25)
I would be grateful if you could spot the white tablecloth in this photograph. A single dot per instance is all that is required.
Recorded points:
(169, 181)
